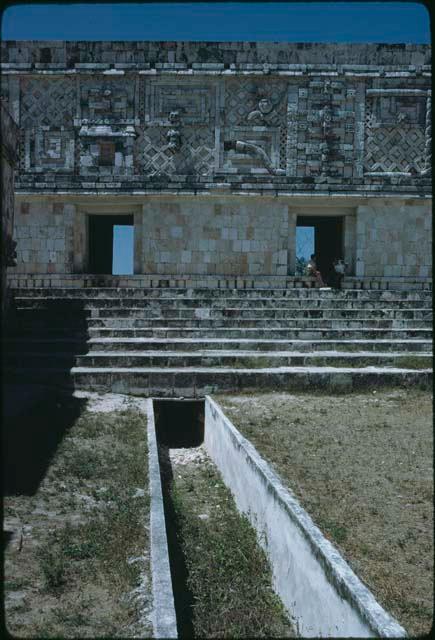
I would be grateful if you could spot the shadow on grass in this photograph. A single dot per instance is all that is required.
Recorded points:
(38, 406)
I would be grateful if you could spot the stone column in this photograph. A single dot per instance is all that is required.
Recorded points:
(291, 263)
(137, 252)
(80, 241)
(360, 244)
(349, 232)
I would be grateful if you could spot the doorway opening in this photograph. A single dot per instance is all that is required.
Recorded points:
(323, 236)
(111, 242)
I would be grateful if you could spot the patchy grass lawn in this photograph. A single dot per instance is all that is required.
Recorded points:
(362, 466)
(77, 564)
(228, 573)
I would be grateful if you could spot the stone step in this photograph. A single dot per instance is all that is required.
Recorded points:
(79, 346)
(194, 382)
(68, 324)
(141, 293)
(219, 358)
(235, 314)
(262, 332)
(182, 344)
(43, 365)
(219, 303)
(252, 322)
(226, 312)
(198, 381)
(246, 359)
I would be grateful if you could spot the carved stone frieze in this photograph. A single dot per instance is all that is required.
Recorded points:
(106, 100)
(180, 132)
(253, 149)
(313, 121)
(48, 149)
(47, 102)
(192, 101)
(396, 126)
(106, 151)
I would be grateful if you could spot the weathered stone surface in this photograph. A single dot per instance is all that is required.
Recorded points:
(217, 149)
(9, 158)
(320, 116)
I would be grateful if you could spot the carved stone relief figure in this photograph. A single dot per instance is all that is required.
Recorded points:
(265, 108)
(255, 151)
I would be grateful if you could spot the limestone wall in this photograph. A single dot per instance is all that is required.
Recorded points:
(202, 237)
(394, 238)
(44, 234)
(225, 235)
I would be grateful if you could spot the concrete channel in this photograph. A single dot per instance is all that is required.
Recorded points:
(316, 585)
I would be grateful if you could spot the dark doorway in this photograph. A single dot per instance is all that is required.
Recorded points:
(179, 423)
(101, 239)
(328, 241)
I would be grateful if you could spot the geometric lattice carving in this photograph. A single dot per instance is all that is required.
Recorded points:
(156, 157)
(48, 102)
(49, 149)
(395, 134)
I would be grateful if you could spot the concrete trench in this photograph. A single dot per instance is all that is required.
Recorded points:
(318, 588)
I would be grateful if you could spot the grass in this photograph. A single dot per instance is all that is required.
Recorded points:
(414, 362)
(228, 572)
(80, 577)
(362, 466)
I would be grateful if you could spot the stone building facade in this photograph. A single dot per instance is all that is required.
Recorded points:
(215, 153)
(9, 159)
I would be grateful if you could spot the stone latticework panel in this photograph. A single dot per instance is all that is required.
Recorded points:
(49, 102)
(395, 133)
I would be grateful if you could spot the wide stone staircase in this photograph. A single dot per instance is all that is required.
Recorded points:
(187, 342)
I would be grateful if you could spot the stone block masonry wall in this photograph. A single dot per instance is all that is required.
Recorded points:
(44, 234)
(394, 239)
(199, 236)
(9, 138)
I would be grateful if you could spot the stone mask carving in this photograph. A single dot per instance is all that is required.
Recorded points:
(174, 135)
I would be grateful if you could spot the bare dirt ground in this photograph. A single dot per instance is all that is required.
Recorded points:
(76, 561)
(362, 466)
